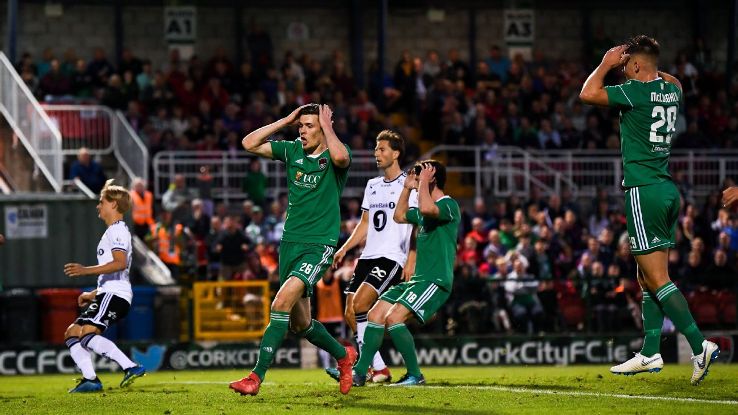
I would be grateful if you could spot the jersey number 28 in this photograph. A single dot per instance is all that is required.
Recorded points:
(663, 116)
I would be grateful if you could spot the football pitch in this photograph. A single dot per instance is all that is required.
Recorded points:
(450, 391)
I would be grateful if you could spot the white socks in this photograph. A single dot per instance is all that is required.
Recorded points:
(81, 357)
(106, 348)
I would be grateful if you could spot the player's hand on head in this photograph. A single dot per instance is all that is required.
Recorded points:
(615, 57)
(295, 114)
(411, 182)
(730, 196)
(427, 172)
(325, 116)
(73, 269)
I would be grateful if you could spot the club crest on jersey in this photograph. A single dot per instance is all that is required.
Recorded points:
(298, 175)
(323, 163)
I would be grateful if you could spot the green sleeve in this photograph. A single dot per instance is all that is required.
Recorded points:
(281, 150)
(447, 212)
(618, 96)
(413, 216)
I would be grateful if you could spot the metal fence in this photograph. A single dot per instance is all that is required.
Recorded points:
(129, 149)
(31, 124)
(103, 132)
(229, 170)
(504, 171)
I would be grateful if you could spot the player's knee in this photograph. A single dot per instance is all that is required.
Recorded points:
(394, 317)
(298, 326)
(281, 304)
(72, 331)
(87, 329)
(377, 316)
(361, 305)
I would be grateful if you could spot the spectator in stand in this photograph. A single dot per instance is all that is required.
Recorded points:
(232, 245)
(257, 230)
(255, 182)
(99, 69)
(177, 199)
(167, 239)
(88, 171)
(197, 227)
(55, 83)
(143, 208)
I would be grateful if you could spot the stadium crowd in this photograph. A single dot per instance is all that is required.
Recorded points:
(536, 265)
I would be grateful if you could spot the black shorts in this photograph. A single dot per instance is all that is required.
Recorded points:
(380, 273)
(104, 310)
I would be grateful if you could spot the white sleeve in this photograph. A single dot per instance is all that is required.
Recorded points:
(119, 239)
(365, 202)
(413, 199)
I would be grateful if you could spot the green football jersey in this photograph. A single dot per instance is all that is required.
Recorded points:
(314, 187)
(436, 244)
(648, 113)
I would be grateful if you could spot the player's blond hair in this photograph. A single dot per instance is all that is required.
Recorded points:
(119, 194)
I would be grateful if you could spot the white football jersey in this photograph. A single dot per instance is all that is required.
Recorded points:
(385, 237)
(116, 238)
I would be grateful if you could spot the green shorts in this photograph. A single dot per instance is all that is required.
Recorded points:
(423, 298)
(651, 213)
(308, 262)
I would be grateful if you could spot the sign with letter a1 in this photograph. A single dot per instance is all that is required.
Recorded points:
(26, 222)
(180, 24)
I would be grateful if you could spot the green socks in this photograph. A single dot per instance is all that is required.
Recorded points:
(676, 308)
(404, 344)
(373, 337)
(273, 335)
(319, 336)
(653, 320)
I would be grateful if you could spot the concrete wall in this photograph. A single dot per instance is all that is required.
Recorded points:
(558, 31)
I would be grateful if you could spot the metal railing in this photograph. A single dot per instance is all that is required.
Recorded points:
(500, 171)
(89, 126)
(129, 149)
(31, 124)
(102, 131)
(504, 171)
(228, 171)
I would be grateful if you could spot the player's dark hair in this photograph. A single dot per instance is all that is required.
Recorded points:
(642, 44)
(440, 174)
(396, 142)
(310, 109)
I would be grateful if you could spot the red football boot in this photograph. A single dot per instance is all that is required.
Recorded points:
(248, 385)
(345, 369)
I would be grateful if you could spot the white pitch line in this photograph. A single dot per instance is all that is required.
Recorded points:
(508, 389)
(590, 394)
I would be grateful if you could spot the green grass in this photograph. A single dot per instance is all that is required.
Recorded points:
(450, 391)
